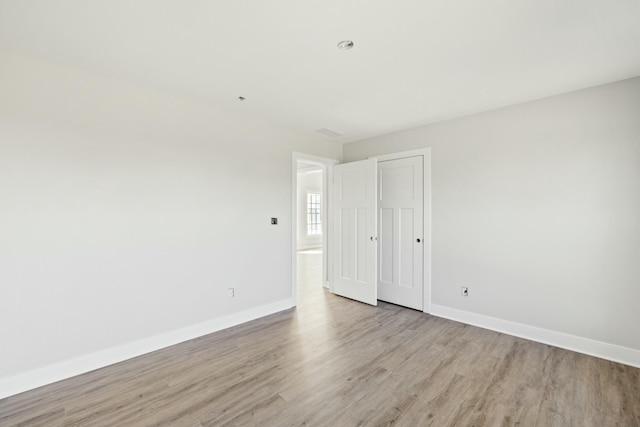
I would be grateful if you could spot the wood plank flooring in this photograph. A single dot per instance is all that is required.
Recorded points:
(335, 362)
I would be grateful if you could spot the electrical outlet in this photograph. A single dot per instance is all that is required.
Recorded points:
(232, 292)
(465, 291)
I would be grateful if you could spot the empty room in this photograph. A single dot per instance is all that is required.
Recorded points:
(319, 213)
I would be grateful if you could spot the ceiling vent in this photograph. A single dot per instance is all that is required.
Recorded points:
(328, 132)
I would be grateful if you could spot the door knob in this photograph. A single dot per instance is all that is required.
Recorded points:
(418, 240)
(373, 238)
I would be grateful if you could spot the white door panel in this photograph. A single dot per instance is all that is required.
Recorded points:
(401, 237)
(385, 246)
(355, 216)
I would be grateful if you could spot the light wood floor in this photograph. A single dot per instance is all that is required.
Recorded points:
(335, 362)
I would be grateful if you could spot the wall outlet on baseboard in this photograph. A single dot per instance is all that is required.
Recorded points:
(465, 291)
(232, 292)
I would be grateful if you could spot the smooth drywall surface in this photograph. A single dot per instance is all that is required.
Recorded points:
(126, 212)
(308, 182)
(536, 209)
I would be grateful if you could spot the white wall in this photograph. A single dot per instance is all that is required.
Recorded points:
(536, 208)
(308, 182)
(126, 213)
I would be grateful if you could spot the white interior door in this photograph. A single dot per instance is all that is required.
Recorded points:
(355, 225)
(401, 239)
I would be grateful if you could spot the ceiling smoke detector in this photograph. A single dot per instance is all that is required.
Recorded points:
(345, 45)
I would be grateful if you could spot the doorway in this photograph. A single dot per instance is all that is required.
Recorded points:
(309, 232)
(310, 227)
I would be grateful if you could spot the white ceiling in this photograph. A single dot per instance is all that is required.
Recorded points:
(414, 61)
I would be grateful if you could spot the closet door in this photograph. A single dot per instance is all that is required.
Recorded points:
(401, 239)
(355, 225)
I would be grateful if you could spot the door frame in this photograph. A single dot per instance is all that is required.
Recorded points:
(426, 188)
(327, 228)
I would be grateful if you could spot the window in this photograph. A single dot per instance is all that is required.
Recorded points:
(314, 225)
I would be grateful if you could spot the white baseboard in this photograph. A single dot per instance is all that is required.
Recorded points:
(70, 368)
(603, 350)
